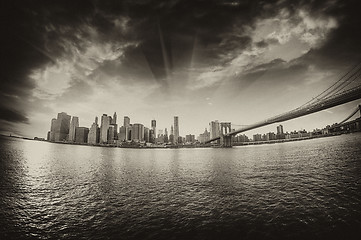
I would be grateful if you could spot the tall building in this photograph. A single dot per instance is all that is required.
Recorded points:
(137, 132)
(81, 134)
(176, 129)
(166, 135)
(127, 127)
(114, 120)
(129, 132)
(73, 124)
(190, 138)
(105, 122)
(171, 136)
(280, 133)
(52, 130)
(94, 133)
(111, 136)
(151, 136)
(146, 134)
(122, 136)
(214, 129)
(203, 137)
(114, 123)
(153, 125)
(59, 130)
(126, 121)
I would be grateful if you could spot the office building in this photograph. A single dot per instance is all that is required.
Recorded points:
(154, 125)
(190, 138)
(51, 134)
(146, 134)
(137, 132)
(280, 133)
(214, 129)
(151, 136)
(166, 135)
(176, 129)
(73, 124)
(242, 138)
(270, 136)
(114, 123)
(94, 133)
(111, 136)
(105, 123)
(203, 137)
(81, 134)
(122, 136)
(257, 137)
(126, 121)
(59, 130)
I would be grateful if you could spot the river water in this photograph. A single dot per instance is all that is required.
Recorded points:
(295, 190)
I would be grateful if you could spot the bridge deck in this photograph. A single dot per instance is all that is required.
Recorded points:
(335, 100)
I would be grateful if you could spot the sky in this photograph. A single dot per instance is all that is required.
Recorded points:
(236, 61)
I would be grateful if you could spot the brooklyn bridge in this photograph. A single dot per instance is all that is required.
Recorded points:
(346, 89)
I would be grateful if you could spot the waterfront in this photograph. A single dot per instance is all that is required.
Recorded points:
(305, 189)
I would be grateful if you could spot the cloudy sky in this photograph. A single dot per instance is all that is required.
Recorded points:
(227, 60)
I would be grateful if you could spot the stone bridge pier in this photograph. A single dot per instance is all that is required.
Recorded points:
(226, 141)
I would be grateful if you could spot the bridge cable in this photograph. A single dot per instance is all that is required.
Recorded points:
(350, 116)
(345, 83)
(332, 86)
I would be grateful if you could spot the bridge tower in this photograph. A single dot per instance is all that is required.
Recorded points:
(226, 140)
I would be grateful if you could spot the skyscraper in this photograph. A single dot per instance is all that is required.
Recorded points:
(94, 132)
(81, 134)
(52, 130)
(203, 137)
(176, 129)
(154, 125)
(214, 129)
(105, 122)
(280, 133)
(73, 124)
(146, 134)
(111, 134)
(114, 120)
(126, 121)
(154, 130)
(115, 125)
(122, 134)
(165, 135)
(127, 127)
(137, 132)
(60, 127)
(171, 136)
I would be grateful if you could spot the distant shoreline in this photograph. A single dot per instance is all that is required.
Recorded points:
(235, 144)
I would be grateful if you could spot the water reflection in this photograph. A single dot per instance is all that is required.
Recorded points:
(299, 189)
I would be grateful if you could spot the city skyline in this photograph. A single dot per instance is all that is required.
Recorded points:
(65, 128)
(231, 61)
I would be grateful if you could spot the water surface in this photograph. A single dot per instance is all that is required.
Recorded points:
(307, 189)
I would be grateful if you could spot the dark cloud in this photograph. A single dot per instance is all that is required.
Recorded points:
(12, 115)
(278, 62)
(36, 33)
